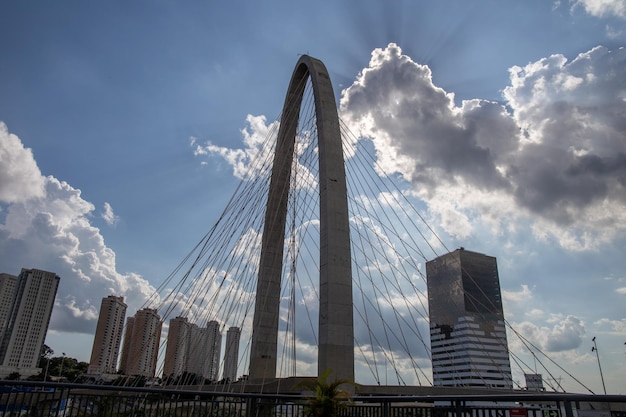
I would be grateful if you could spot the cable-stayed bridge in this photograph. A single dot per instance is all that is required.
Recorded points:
(319, 258)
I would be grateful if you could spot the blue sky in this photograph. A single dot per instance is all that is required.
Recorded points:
(100, 102)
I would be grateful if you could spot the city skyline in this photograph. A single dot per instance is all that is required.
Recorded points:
(100, 108)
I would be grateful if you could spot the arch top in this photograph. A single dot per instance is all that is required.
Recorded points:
(310, 62)
(314, 67)
(324, 96)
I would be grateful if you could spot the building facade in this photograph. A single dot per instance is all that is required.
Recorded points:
(467, 331)
(128, 335)
(203, 354)
(231, 353)
(196, 351)
(8, 283)
(177, 347)
(192, 350)
(108, 337)
(141, 344)
(27, 321)
(214, 341)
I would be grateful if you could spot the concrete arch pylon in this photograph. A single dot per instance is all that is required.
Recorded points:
(336, 328)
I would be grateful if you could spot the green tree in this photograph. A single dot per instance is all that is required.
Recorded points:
(13, 376)
(73, 369)
(43, 363)
(328, 397)
(45, 355)
(66, 368)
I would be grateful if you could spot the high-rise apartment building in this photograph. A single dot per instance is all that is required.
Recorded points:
(8, 283)
(177, 347)
(141, 344)
(128, 335)
(203, 354)
(197, 351)
(27, 321)
(231, 354)
(192, 349)
(106, 342)
(214, 342)
(467, 331)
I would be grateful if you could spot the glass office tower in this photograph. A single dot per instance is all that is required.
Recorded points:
(467, 330)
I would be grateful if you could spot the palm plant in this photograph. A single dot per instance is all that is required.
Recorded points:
(327, 397)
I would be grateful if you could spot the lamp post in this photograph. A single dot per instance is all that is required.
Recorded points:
(45, 377)
(61, 369)
(595, 349)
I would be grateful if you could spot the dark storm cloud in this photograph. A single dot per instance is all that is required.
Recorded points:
(574, 114)
(547, 183)
(556, 146)
(593, 165)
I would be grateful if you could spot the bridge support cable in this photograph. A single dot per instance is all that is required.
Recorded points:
(390, 241)
(395, 198)
(388, 249)
(392, 196)
(397, 334)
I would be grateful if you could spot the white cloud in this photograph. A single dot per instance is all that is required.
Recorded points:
(90, 313)
(255, 152)
(617, 327)
(614, 33)
(256, 158)
(47, 226)
(248, 247)
(20, 178)
(108, 215)
(621, 290)
(524, 295)
(602, 8)
(565, 334)
(552, 156)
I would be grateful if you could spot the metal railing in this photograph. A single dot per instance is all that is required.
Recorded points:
(38, 399)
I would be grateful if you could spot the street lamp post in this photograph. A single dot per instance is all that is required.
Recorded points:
(45, 377)
(63, 360)
(595, 349)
